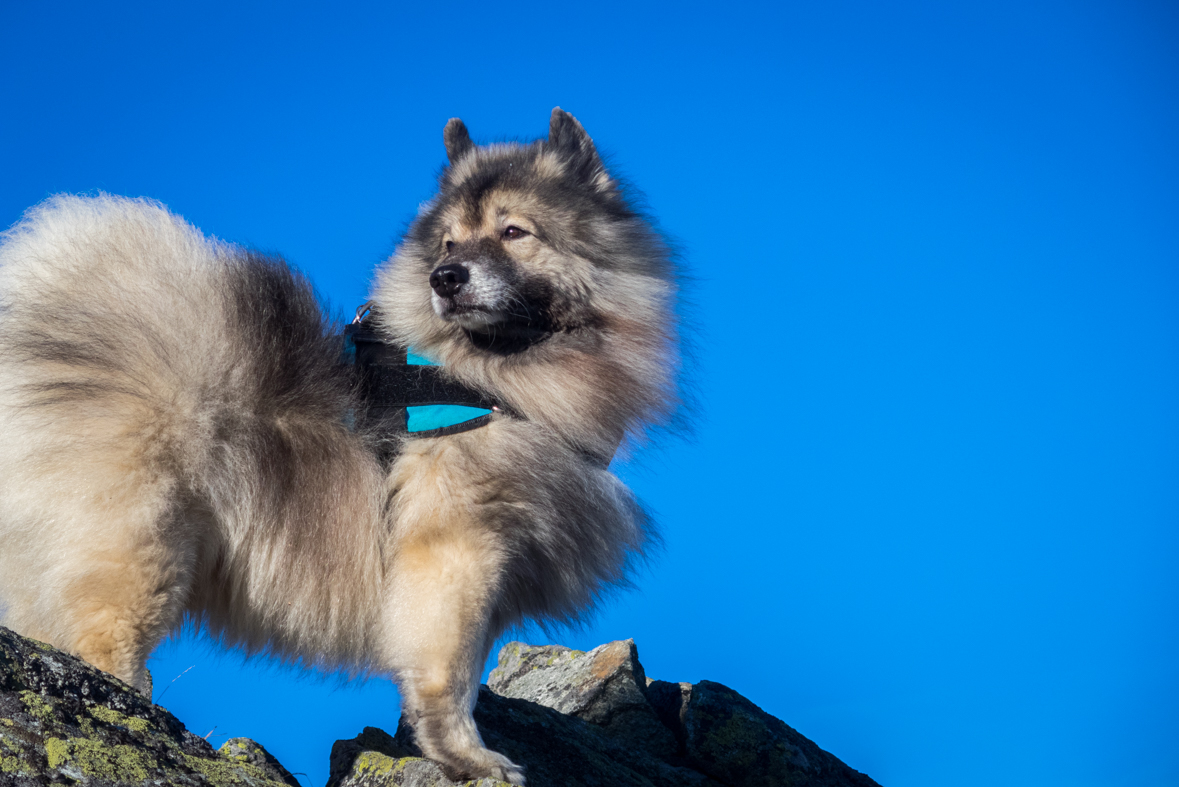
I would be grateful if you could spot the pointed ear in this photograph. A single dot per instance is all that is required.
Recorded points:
(566, 134)
(457, 140)
(568, 137)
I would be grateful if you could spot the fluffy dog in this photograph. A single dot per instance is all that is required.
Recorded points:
(178, 437)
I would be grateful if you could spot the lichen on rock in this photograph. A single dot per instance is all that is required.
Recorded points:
(63, 721)
(375, 759)
(246, 752)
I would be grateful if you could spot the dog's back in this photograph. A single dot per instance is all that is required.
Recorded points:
(173, 423)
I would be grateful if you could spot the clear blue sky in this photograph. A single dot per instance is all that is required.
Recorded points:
(929, 517)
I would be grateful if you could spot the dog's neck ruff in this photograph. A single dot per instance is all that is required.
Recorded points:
(405, 393)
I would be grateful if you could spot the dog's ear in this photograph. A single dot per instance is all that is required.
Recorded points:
(569, 138)
(457, 140)
(567, 135)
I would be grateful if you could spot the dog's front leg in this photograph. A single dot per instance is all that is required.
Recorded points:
(444, 578)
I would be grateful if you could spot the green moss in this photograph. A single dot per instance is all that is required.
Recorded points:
(111, 716)
(377, 764)
(37, 707)
(382, 768)
(15, 766)
(86, 724)
(229, 750)
(123, 763)
(224, 772)
(8, 722)
(57, 750)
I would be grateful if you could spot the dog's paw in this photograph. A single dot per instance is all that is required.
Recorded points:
(506, 770)
(485, 762)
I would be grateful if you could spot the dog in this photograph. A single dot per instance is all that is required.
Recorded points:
(180, 441)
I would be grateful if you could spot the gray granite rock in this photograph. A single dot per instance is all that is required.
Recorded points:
(729, 738)
(592, 719)
(606, 687)
(593, 686)
(65, 722)
(705, 729)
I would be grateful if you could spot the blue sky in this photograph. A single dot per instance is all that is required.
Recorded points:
(928, 516)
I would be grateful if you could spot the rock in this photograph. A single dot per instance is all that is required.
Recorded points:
(606, 687)
(355, 760)
(63, 721)
(669, 700)
(558, 749)
(250, 752)
(375, 759)
(577, 719)
(729, 738)
(573, 719)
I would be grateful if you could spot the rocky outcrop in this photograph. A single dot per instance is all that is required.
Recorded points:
(64, 722)
(594, 719)
(573, 719)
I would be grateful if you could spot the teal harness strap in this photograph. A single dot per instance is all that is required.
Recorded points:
(429, 417)
(405, 392)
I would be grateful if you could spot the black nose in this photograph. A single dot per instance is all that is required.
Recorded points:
(447, 280)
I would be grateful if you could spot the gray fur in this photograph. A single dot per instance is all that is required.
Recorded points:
(177, 441)
(456, 139)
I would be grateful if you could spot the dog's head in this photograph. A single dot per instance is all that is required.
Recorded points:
(532, 255)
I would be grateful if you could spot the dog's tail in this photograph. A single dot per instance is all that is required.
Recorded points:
(118, 305)
(136, 353)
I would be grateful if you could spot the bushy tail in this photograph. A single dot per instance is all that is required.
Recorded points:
(137, 355)
(108, 301)
(116, 304)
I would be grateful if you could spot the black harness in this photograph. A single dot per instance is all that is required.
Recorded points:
(389, 384)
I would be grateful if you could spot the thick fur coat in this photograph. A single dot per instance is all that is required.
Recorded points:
(178, 438)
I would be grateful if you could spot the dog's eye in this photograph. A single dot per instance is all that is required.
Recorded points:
(511, 233)
(449, 245)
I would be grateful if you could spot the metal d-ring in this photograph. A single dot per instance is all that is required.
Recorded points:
(363, 310)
